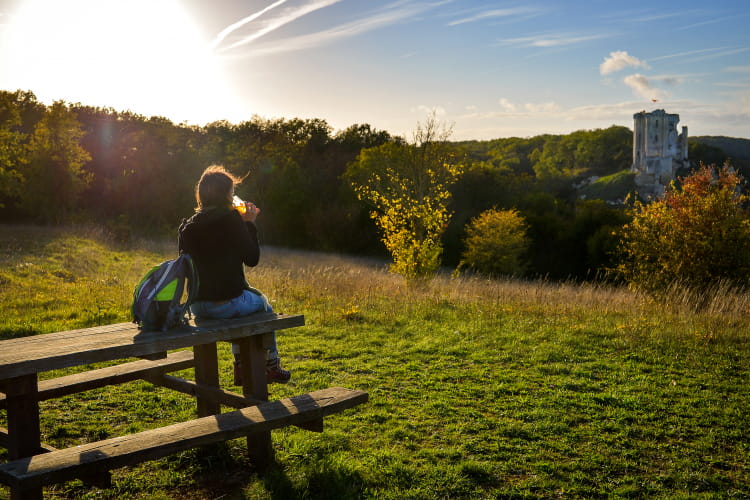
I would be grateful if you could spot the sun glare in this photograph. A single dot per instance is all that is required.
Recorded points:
(146, 56)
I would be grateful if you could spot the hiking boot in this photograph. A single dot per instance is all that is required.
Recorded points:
(275, 374)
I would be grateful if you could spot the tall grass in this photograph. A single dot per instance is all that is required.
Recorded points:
(478, 388)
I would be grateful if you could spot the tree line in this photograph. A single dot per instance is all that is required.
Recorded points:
(69, 163)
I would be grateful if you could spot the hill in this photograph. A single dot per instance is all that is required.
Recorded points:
(720, 149)
(735, 148)
(478, 388)
(614, 187)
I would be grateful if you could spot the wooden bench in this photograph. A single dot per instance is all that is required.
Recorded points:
(32, 472)
(111, 375)
(34, 463)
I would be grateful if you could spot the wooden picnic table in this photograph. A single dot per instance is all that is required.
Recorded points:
(34, 463)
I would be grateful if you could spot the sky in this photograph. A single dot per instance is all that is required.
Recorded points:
(488, 69)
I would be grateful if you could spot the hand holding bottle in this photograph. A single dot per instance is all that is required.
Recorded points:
(247, 210)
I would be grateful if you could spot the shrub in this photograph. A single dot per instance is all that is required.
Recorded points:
(495, 242)
(408, 187)
(695, 234)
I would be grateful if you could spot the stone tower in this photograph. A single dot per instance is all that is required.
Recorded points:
(658, 151)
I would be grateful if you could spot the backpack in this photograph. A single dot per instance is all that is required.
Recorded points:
(156, 298)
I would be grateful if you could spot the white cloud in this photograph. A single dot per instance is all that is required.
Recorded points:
(710, 53)
(507, 105)
(390, 14)
(620, 60)
(490, 14)
(428, 110)
(738, 69)
(605, 112)
(541, 107)
(237, 25)
(550, 40)
(642, 87)
(512, 110)
(689, 53)
(271, 25)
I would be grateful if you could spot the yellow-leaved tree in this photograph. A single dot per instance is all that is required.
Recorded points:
(495, 243)
(407, 185)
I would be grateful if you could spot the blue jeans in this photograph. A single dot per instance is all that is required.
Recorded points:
(242, 305)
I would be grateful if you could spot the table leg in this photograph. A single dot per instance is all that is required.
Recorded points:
(255, 384)
(23, 417)
(207, 373)
(23, 425)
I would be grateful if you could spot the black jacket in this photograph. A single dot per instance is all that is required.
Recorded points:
(219, 242)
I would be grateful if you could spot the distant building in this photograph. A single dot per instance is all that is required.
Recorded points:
(658, 151)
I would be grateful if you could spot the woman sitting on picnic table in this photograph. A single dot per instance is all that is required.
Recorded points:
(220, 240)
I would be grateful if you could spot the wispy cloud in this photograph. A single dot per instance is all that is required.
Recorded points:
(616, 111)
(735, 85)
(703, 54)
(738, 69)
(398, 11)
(711, 21)
(619, 60)
(550, 40)
(542, 107)
(507, 105)
(688, 53)
(660, 16)
(239, 24)
(286, 17)
(643, 87)
(641, 16)
(724, 53)
(510, 109)
(494, 14)
(423, 109)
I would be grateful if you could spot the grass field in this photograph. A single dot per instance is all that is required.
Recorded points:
(478, 389)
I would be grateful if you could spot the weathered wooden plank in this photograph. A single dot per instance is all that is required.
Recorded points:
(26, 355)
(152, 444)
(207, 375)
(111, 375)
(23, 416)
(255, 385)
(43, 447)
(220, 396)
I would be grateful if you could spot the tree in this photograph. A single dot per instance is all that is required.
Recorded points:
(495, 242)
(694, 235)
(12, 150)
(55, 176)
(408, 187)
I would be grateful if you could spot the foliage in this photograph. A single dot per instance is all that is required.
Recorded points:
(718, 150)
(614, 187)
(141, 175)
(495, 242)
(54, 176)
(408, 187)
(12, 151)
(477, 388)
(481, 187)
(696, 234)
(584, 153)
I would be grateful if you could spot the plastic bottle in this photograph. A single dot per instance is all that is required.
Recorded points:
(239, 205)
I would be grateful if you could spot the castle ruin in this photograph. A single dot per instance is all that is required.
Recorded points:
(658, 151)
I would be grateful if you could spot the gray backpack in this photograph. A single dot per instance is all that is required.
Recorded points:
(157, 299)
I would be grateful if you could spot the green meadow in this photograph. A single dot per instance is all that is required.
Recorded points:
(479, 389)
